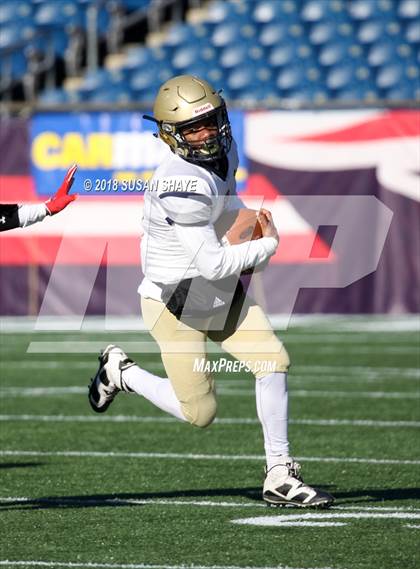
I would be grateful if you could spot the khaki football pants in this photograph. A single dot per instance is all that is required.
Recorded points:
(247, 335)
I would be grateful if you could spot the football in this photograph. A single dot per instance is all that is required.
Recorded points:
(237, 226)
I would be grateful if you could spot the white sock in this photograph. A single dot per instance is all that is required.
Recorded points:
(156, 389)
(272, 408)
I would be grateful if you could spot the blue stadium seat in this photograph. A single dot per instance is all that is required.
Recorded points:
(360, 92)
(54, 96)
(308, 93)
(381, 10)
(409, 9)
(390, 52)
(14, 34)
(145, 95)
(404, 91)
(288, 53)
(273, 34)
(185, 56)
(221, 11)
(392, 75)
(348, 75)
(144, 78)
(341, 51)
(236, 54)
(137, 57)
(228, 33)
(294, 77)
(10, 11)
(327, 31)
(314, 11)
(57, 14)
(374, 30)
(249, 75)
(267, 11)
(412, 32)
(179, 34)
(258, 94)
(95, 80)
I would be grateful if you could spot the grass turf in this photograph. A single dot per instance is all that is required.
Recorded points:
(132, 507)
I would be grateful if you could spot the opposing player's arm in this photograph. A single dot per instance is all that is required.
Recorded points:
(14, 215)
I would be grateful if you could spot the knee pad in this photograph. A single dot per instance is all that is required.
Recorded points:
(200, 411)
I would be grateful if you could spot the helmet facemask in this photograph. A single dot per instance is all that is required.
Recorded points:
(212, 149)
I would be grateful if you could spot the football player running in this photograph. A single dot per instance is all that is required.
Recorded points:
(191, 291)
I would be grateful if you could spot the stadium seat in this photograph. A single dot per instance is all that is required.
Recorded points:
(404, 91)
(267, 94)
(179, 35)
(54, 96)
(13, 12)
(249, 75)
(308, 93)
(390, 52)
(57, 14)
(341, 51)
(314, 11)
(221, 11)
(372, 31)
(289, 53)
(392, 75)
(323, 32)
(95, 80)
(409, 9)
(14, 34)
(144, 78)
(292, 78)
(412, 32)
(273, 34)
(381, 10)
(235, 55)
(266, 11)
(349, 74)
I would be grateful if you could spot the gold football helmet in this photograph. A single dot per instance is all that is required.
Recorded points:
(181, 103)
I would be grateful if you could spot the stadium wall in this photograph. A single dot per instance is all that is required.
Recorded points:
(343, 187)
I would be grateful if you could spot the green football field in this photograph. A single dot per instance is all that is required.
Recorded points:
(135, 489)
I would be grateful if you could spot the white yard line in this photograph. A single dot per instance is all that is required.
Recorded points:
(221, 421)
(80, 565)
(318, 393)
(190, 456)
(199, 503)
(141, 347)
(298, 371)
(319, 519)
(227, 391)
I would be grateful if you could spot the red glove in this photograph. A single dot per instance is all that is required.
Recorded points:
(61, 199)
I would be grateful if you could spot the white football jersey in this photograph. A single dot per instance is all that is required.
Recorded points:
(181, 204)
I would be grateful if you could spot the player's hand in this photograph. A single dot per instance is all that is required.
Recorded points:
(267, 224)
(61, 199)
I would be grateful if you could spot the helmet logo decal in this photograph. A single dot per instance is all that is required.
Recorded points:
(203, 109)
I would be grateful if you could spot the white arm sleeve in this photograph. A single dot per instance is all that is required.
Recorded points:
(31, 213)
(213, 261)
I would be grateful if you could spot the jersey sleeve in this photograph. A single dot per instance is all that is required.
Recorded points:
(214, 261)
(9, 217)
(186, 200)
